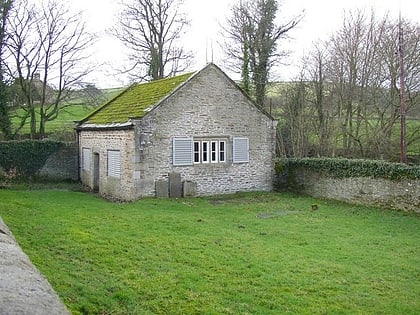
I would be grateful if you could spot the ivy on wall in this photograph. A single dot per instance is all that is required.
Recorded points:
(348, 168)
(25, 158)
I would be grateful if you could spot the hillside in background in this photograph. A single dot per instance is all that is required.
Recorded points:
(297, 117)
(322, 119)
(82, 103)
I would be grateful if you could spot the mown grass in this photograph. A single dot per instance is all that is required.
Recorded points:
(238, 254)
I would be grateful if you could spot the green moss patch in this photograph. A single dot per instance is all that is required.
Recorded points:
(135, 101)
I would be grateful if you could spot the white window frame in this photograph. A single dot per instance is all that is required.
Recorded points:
(86, 159)
(214, 151)
(208, 151)
(205, 152)
(182, 151)
(221, 158)
(197, 152)
(114, 163)
(240, 150)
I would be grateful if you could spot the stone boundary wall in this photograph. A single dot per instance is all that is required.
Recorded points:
(63, 164)
(23, 290)
(399, 195)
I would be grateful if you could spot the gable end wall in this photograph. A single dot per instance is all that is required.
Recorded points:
(209, 106)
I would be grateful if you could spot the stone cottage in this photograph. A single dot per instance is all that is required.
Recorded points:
(193, 134)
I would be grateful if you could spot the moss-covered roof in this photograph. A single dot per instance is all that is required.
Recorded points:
(135, 101)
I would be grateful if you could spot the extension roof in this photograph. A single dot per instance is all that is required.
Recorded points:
(135, 101)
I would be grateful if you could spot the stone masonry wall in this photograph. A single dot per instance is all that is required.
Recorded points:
(209, 107)
(62, 165)
(98, 142)
(401, 195)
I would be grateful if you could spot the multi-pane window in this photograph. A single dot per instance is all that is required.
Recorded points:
(222, 151)
(213, 151)
(86, 155)
(204, 152)
(197, 151)
(189, 151)
(114, 163)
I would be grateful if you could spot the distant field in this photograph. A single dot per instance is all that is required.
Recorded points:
(253, 253)
(412, 124)
(72, 113)
(65, 122)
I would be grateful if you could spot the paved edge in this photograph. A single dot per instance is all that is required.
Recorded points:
(23, 289)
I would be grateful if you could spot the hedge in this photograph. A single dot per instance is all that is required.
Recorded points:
(26, 158)
(348, 168)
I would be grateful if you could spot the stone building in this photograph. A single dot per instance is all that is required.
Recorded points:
(193, 134)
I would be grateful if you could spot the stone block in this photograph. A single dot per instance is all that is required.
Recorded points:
(175, 185)
(189, 189)
(162, 189)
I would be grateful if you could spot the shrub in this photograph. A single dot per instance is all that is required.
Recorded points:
(347, 168)
(25, 158)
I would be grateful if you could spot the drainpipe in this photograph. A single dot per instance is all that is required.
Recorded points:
(78, 151)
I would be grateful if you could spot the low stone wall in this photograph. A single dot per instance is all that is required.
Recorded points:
(23, 290)
(400, 195)
(63, 164)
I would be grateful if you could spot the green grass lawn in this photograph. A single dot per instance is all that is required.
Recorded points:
(239, 254)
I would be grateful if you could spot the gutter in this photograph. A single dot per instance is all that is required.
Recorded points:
(99, 127)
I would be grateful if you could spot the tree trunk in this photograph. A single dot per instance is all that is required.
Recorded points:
(32, 117)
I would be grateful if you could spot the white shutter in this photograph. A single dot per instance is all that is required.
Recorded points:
(114, 163)
(86, 159)
(182, 151)
(240, 150)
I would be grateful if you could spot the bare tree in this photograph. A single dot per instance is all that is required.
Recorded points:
(151, 30)
(48, 45)
(5, 122)
(92, 96)
(320, 98)
(364, 71)
(391, 70)
(252, 38)
(297, 119)
(353, 88)
(238, 32)
(346, 48)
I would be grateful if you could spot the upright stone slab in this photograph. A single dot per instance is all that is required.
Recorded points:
(175, 185)
(162, 189)
(190, 189)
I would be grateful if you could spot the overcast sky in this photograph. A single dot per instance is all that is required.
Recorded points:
(322, 18)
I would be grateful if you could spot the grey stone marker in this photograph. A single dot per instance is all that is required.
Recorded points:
(175, 185)
(190, 188)
(162, 189)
